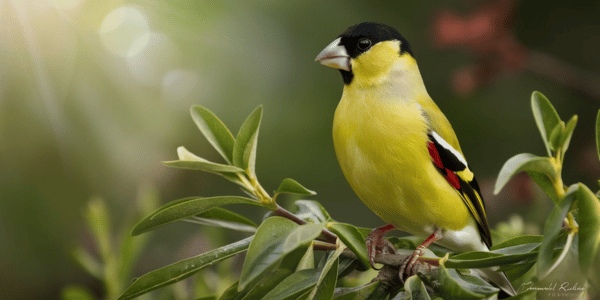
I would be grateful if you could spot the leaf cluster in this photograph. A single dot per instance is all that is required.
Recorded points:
(309, 255)
(116, 253)
(574, 223)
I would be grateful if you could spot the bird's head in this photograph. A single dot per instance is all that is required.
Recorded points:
(366, 51)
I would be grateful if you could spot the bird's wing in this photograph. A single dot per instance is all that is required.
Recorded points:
(453, 166)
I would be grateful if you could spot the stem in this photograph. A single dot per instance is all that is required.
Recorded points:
(559, 187)
(571, 223)
(251, 184)
(262, 195)
(324, 246)
(282, 212)
(326, 235)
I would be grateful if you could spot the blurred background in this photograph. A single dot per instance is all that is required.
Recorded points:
(95, 94)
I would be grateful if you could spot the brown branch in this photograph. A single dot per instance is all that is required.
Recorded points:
(326, 235)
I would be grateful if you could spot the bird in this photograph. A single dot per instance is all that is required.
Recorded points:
(399, 152)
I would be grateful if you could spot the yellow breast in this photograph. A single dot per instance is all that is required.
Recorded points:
(381, 143)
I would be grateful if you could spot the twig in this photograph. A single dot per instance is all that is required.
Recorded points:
(326, 235)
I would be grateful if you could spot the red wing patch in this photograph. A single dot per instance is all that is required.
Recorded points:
(450, 176)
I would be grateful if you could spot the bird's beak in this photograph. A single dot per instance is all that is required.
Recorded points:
(335, 56)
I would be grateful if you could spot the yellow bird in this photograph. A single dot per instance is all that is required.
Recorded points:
(399, 152)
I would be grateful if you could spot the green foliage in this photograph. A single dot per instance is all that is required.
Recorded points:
(455, 285)
(309, 255)
(576, 210)
(275, 238)
(186, 208)
(182, 269)
(352, 238)
(117, 255)
(213, 129)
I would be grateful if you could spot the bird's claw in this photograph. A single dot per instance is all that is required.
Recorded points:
(411, 264)
(376, 244)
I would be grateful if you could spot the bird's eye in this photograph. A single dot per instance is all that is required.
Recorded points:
(364, 44)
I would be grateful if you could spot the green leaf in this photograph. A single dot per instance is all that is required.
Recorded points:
(231, 293)
(520, 240)
(415, 289)
(275, 238)
(291, 186)
(131, 247)
(311, 211)
(308, 260)
(565, 139)
(555, 136)
(357, 293)
(185, 208)
(517, 249)
(551, 233)
(352, 238)
(75, 292)
(348, 265)
(598, 133)
(182, 269)
(294, 285)
(487, 259)
(521, 163)
(546, 117)
(328, 278)
(224, 218)
(454, 285)
(265, 284)
(88, 262)
(214, 131)
(98, 221)
(244, 148)
(190, 161)
(589, 227)
(327, 281)
(545, 183)
(528, 295)
(518, 270)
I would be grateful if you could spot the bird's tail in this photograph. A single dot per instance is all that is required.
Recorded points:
(498, 279)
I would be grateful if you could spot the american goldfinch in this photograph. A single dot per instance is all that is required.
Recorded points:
(399, 152)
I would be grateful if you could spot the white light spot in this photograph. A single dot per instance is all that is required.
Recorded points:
(125, 31)
(154, 60)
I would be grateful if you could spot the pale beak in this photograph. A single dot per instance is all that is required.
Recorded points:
(335, 56)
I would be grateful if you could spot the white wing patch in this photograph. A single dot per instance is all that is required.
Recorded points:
(445, 144)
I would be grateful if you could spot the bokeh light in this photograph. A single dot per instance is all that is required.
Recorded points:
(125, 31)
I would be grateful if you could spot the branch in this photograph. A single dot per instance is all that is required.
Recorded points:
(326, 235)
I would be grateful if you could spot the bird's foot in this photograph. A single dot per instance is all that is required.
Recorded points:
(411, 264)
(377, 244)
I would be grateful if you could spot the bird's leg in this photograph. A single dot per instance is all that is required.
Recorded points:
(377, 244)
(408, 267)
